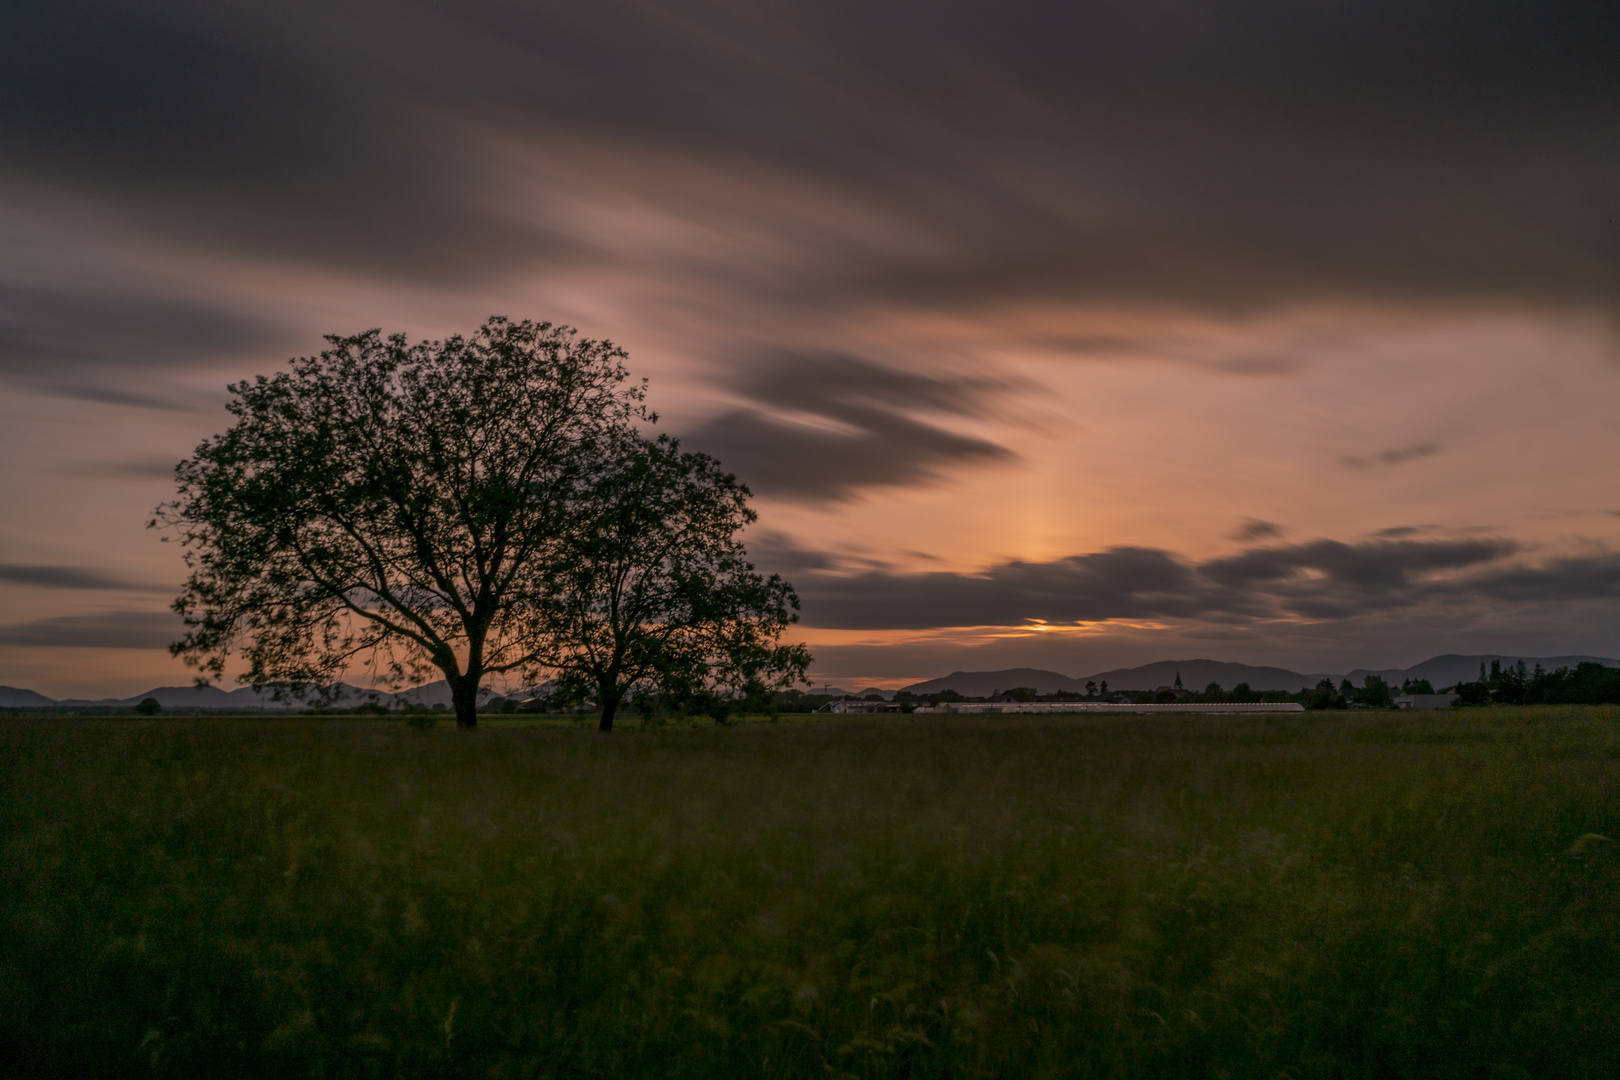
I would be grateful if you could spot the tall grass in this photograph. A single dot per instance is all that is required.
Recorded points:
(1361, 895)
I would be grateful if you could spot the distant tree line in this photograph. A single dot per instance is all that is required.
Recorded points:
(1585, 684)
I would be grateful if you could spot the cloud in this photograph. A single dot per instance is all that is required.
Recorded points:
(1255, 529)
(84, 344)
(71, 577)
(830, 425)
(141, 468)
(1319, 580)
(1379, 564)
(106, 630)
(1561, 581)
(1226, 156)
(779, 554)
(1121, 583)
(246, 131)
(1392, 457)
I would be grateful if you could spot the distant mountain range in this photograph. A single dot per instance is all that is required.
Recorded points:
(13, 698)
(1197, 674)
(212, 697)
(1441, 671)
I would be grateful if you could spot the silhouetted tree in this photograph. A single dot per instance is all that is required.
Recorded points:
(401, 505)
(1416, 686)
(657, 594)
(149, 707)
(1242, 693)
(1325, 696)
(1588, 684)
(1374, 692)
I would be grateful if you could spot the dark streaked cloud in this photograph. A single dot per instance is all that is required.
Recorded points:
(259, 128)
(1320, 580)
(1376, 564)
(1121, 583)
(783, 556)
(137, 468)
(1236, 154)
(107, 630)
(71, 577)
(1395, 456)
(1560, 581)
(85, 343)
(829, 425)
(1255, 529)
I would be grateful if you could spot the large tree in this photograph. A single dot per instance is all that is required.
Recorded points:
(399, 507)
(658, 595)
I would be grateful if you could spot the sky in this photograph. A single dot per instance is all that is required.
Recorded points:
(1065, 336)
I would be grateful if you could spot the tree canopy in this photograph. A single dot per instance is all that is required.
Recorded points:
(658, 595)
(403, 507)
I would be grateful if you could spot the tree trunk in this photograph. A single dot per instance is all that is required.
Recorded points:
(610, 705)
(464, 696)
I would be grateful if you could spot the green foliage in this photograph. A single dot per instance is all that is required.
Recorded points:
(1588, 684)
(657, 594)
(1325, 696)
(402, 503)
(149, 707)
(1416, 686)
(1369, 895)
(1375, 693)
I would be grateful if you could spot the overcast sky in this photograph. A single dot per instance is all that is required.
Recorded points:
(1066, 336)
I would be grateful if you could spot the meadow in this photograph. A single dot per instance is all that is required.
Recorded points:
(1352, 894)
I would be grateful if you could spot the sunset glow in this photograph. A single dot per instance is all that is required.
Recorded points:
(1071, 341)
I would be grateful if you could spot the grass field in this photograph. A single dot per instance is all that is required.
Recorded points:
(1320, 895)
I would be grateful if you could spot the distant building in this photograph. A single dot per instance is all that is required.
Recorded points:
(851, 706)
(1108, 707)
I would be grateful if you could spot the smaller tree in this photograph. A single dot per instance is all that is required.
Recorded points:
(1324, 696)
(659, 596)
(1375, 692)
(149, 707)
